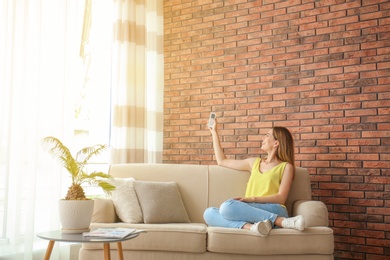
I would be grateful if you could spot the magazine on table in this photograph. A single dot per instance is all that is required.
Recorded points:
(112, 232)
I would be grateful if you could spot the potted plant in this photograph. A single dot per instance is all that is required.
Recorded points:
(76, 209)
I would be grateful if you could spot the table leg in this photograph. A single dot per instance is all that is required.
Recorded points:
(49, 249)
(107, 255)
(120, 251)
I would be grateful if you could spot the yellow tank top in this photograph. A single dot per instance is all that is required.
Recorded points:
(266, 183)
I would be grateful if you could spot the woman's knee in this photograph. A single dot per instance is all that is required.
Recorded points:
(227, 208)
(209, 214)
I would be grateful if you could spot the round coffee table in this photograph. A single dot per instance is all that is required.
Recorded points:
(57, 235)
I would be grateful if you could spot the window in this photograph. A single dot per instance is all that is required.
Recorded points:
(92, 107)
(48, 88)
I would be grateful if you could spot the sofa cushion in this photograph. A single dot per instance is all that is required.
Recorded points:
(178, 237)
(161, 202)
(103, 211)
(315, 240)
(125, 200)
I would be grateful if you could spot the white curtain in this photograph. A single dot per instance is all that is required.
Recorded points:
(137, 86)
(40, 74)
(38, 61)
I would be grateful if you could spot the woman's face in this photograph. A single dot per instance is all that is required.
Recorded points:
(268, 141)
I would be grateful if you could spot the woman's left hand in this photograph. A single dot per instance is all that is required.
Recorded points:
(251, 199)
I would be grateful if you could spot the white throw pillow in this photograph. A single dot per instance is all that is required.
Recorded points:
(125, 200)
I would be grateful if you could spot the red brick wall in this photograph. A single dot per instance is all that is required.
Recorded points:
(320, 68)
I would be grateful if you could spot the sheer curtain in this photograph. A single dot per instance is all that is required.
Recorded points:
(37, 68)
(137, 86)
(40, 74)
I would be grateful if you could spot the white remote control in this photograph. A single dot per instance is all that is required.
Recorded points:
(211, 122)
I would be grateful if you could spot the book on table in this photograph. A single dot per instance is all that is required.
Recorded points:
(111, 232)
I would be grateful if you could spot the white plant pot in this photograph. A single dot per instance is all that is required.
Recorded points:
(75, 215)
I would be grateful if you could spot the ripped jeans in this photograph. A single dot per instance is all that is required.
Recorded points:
(235, 214)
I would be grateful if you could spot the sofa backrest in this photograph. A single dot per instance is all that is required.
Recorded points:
(192, 181)
(225, 183)
(300, 188)
(203, 186)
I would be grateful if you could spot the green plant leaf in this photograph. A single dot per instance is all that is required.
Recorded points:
(75, 166)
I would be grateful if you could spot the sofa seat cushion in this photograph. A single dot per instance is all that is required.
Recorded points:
(177, 237)
(314, 240)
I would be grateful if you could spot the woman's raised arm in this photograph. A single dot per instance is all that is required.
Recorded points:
(243, 165)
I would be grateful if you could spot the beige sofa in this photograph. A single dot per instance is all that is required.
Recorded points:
(204, 186)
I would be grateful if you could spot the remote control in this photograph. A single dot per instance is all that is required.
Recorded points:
(211, 122)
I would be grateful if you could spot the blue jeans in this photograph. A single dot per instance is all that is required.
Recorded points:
(235, 214)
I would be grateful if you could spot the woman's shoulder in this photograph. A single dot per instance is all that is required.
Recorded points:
(289, 168)
(288, 165)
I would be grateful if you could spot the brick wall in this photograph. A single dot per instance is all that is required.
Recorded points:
(320, 68)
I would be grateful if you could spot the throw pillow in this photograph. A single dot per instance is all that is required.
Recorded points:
(103, 211)
(161, 202)
(125, 200)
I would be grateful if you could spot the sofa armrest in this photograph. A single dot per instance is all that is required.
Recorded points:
(314, 212)
(103, 211)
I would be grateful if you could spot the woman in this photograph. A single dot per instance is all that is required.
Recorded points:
(269, 184)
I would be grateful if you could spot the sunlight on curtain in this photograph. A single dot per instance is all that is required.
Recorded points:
(39, 64)
(137, 84)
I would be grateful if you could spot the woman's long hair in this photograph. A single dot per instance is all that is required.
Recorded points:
(286, 150)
